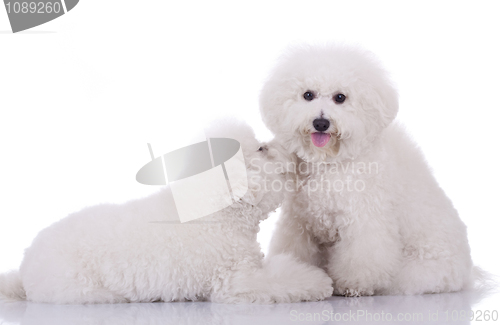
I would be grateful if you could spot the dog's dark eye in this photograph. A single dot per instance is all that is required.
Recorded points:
(309, 95)
(339, 98)
(260, 149)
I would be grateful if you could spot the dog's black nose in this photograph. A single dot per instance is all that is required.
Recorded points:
(321, 124)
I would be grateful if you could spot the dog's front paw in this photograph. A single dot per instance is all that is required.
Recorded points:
(357, 293)
(318, 286)
(353, 292)
(312, 285)
(295, 281)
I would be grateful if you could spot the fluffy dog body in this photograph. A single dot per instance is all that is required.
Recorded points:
(137, 252)
(366, 207)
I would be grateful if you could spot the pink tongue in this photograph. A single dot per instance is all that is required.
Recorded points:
(320, 139)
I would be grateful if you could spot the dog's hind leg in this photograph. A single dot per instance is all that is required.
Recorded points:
(428, 272)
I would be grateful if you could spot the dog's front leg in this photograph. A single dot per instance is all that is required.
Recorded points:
(366, 256)
(291, 237)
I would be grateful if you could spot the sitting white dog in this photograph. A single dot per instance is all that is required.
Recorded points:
(366, 207)
(136, 252)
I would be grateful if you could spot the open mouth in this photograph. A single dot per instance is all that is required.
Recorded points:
(320, 139)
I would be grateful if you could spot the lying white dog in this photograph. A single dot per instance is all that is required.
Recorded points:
(366, 206)
(136, 252)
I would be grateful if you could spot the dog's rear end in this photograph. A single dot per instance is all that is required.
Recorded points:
(11, 287)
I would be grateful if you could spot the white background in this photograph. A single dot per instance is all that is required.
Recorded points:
(82, 95)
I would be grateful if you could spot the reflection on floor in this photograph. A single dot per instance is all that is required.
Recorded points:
(425, 309)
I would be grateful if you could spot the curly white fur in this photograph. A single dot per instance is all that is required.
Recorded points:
(137, 252)
(366, 206)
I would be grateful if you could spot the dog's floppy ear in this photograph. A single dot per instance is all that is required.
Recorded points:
(379, 94)
(388, 102)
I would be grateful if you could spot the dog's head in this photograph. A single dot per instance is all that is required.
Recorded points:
(328, 103)
(268, 164)
(269, 168)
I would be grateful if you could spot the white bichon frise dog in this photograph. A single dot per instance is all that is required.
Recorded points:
(137, 252)
(365, 206)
